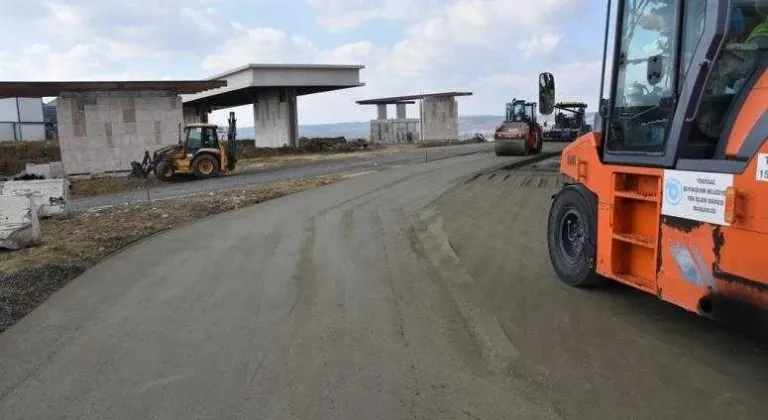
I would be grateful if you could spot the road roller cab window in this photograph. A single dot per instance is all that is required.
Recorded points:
(733, 73)
(645, 80)
(682, 71)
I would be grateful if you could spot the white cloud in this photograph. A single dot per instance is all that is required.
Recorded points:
(64, 13)
(539, 45)
(354, 53)
(40, 62)
(494, 47)
(349, 14)
(258, 45)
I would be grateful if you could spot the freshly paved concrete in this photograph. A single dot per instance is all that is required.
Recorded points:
(422, 292)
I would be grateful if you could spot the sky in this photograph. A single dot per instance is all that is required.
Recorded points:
(494, 48)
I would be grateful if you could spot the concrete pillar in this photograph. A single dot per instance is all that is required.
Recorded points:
(195, 114)
(382, 109)
(401, 115)
(440, 119)
(275, 116)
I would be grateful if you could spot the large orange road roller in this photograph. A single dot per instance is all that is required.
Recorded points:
(669, 194)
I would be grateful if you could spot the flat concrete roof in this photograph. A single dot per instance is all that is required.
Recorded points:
(402, 99)
(42, 89)
(262, 66)
(245, 82)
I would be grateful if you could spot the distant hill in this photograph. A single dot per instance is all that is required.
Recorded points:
(468, 126)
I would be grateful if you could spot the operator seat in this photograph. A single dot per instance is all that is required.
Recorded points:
(758, 36)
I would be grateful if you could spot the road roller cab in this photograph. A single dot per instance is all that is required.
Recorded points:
(668, 194)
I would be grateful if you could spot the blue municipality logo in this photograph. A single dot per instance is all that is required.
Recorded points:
(673, 191)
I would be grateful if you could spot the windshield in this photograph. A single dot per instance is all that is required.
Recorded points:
(520, 112)
(647, 40)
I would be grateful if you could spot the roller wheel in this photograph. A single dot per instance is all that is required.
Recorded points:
(205, 166)
(572, 236)
(512, 149)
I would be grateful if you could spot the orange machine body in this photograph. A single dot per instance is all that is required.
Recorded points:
(687, 262)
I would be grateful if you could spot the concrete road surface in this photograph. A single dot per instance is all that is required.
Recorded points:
(423, 292)
(355, 162)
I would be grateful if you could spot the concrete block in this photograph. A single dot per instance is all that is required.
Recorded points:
(46, 170)
(19, 224)
(143, 115)
(50, 196)
(95, 129)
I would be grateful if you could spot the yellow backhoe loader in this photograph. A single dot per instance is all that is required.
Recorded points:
(199, 153)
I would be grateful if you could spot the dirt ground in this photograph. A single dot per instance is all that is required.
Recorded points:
(72, 245)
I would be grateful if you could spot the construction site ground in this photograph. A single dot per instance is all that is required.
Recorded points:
(106, 185)
(106, 192)
(423, 291)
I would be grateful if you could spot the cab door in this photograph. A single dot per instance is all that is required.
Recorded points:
(654, 87)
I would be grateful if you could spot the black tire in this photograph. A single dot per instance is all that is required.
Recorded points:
(205, 166)
(164, 171)
(572, 236)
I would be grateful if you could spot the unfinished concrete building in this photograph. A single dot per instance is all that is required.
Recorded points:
(438, 118)
(103, 126)
(273, 90)
(400, 129)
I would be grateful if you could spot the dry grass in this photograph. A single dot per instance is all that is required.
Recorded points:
(72, 245)
(14, 155)
(109, 185)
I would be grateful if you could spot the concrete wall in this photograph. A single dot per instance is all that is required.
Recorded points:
(394, 131)
(195, 114)
(440, 119)
(276, 119)
(104, 132)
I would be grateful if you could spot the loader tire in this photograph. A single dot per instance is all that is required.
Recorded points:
(572, 236)
(205, 166)
(164, 171)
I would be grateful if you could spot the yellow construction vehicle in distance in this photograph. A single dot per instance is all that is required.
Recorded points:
(199, 153)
